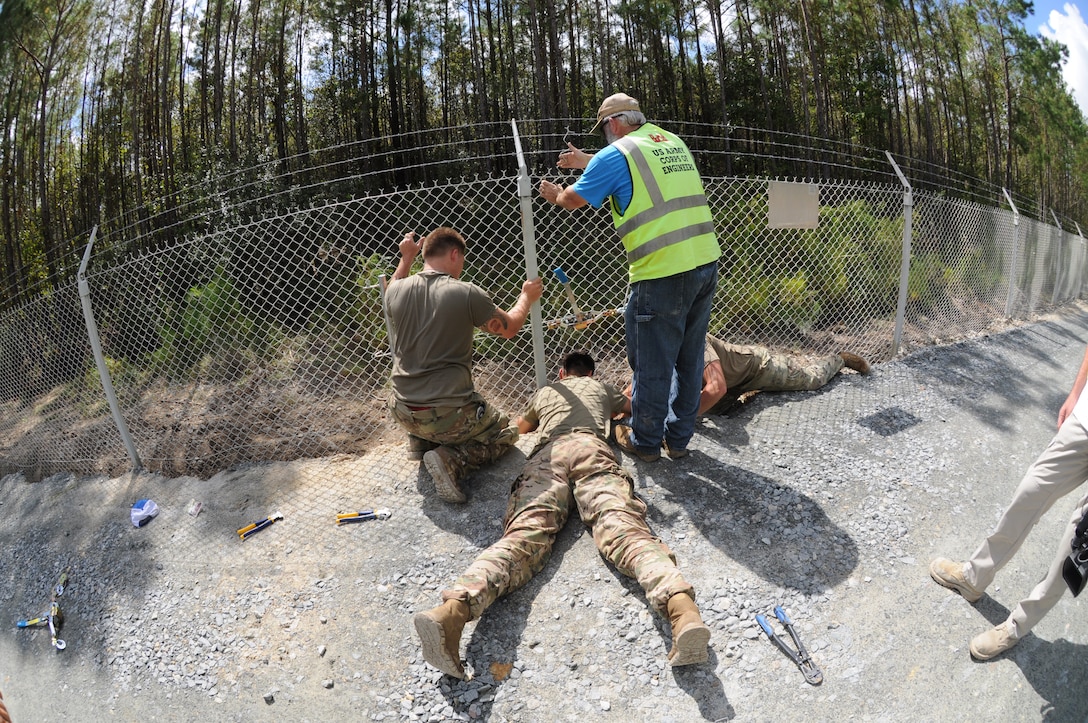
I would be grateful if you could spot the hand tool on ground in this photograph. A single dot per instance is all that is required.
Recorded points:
(53, 618)
(40, 620)
(800, 657)
(255, 527)
(363, 516)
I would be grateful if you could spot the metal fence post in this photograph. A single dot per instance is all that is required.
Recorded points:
(1080, 268)
(1015, 252)
(528, 235)
(99, 357)
(904, 268)
(1057, 260)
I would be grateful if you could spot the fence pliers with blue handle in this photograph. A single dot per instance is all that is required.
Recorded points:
(53, 618)
(800, 657)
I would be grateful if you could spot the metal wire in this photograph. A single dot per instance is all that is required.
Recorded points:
(238, 332)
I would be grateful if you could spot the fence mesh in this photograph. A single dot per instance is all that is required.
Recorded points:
(262, 338)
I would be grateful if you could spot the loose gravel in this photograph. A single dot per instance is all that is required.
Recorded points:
(830, 504)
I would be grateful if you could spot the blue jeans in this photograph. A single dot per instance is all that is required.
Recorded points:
(666, 322)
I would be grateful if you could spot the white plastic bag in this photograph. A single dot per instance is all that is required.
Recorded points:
(142, 512)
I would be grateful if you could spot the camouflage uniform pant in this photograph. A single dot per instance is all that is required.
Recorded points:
(475, 434)
(784, 374)
(581, 468)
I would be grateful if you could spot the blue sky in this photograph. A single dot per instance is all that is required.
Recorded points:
(1065, 21)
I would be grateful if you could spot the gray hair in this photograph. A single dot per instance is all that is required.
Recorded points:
(631, 117)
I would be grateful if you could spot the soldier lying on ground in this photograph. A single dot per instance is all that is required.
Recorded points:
(732, 370)
(572, 462)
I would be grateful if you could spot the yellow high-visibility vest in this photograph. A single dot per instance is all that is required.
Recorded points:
(667, 228)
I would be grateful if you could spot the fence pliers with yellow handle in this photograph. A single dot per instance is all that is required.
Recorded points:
(254, 527)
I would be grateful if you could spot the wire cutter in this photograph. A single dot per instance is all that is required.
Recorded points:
(255, 527)
(363, 516)
(800, 657)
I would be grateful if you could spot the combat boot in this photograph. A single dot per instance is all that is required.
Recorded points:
(439, 632)
(417, 447)
(855, 362)
(445, 471)
(689, 635)
(951, 575)
(992, 643)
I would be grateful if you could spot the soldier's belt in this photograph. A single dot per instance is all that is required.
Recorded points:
(426, 412)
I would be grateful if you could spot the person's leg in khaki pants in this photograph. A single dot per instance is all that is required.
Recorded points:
(1059, 470)
(1050, 589)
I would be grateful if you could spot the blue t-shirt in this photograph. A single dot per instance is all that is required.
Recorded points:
(606, 175)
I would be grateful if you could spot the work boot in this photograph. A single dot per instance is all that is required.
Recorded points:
(439, 632)
(992, 643)
(950, 574)
(855, 362)
(675, 453)
(689, 635)
(444, 471)
(417, 447)
(624, 441)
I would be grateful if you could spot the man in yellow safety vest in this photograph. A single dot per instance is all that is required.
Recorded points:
(654, 190)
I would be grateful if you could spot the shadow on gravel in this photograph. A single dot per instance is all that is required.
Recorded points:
(494, 642)
(705, 689)
(969, 373)
(783, 536)
(1058, 670)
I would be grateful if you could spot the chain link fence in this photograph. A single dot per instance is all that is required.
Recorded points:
(257, 334)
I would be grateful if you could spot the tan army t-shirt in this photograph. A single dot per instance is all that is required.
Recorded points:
(574, 404)
(433, 316)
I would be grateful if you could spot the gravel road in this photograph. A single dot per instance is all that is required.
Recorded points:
(828, 503)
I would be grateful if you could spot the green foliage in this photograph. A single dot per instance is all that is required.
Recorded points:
(210, 322)
(924, 281)
(347, 332)
(214, 335)
(847, 269)
(811, 277)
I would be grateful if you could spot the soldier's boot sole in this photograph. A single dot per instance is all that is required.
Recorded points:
(445, 481)
(690, 636)
(690, 646)
(436, 641)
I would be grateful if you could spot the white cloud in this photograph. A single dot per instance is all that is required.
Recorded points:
(1068, 27)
